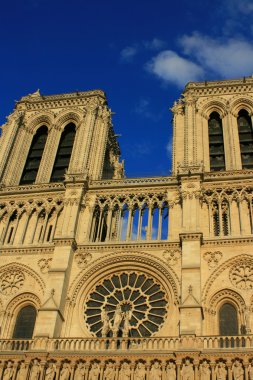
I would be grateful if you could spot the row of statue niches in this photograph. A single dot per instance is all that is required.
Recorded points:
(126, 370)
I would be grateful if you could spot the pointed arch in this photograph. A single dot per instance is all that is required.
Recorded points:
(34, 156)
(245, 133)
(216, 142)
(63, 154)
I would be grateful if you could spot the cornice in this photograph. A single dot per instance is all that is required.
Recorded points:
(37, 101)
(27, 250)
(189, 236)
(31, 188)
(232, 86)
(133, 182)
(126, 246)
(228, 175)
(231, 241)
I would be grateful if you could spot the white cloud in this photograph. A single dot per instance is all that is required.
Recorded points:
(227, 58)
(127, 54)
(170, 67)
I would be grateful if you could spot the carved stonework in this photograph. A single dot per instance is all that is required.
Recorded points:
(44, 265)
(11, 282)
(83, 259)
(212, 258)
(241, 275)
(171, 256)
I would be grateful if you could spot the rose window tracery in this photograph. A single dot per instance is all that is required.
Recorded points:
(241, 275)
(126, 304)
(11, 282)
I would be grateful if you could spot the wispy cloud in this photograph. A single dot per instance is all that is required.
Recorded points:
(224, 57)
(169, 147)
(200, 57)
(171, 67)
(129, 52)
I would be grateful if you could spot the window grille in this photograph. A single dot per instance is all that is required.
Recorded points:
(216, 143)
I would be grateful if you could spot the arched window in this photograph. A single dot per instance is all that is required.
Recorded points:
(63, 155)
(216, 143)
(246, 139)
(34, 156)
(228, 321)
(25, 323)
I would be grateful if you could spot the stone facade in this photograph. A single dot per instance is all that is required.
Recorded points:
(129, 278)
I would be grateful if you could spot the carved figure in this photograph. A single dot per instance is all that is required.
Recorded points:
(171, 371)
(118, 169)
(140, 372)
(116, 320)
(21, 375)
(125, 372)
(205, 371)
(79, 372)
(65, 372)
(106, 323)
(221, 372)
(127, 326)
(187, 371)
(250, 371)
(50, 371)
(94, 371)
(8, 372)
(109, 373)
(237, 370)
(155, 372)
(35, 370)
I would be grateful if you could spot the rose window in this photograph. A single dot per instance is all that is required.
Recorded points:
(11, 282)
(139, 302)
(241, 276)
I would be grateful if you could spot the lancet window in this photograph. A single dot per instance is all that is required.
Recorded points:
(136, 218)
(25, 323)
(63, 155)
(34, 156)
(246, 139)
(216, 143)
(228, 320)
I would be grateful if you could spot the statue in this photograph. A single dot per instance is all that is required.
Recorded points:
(125, 372)
(221, 372)
(250, 371)
(9, 371)
(187, 371)
(127, 326)
(155, 372)
(116, 320)
(109, 373)
(35, 370)
(79, 372)
(65, 372)
(171, 371)
(205, 371)
(140, 372)
(50, 371)
(94, 371)
(237, 370)
(106, 323)
(21, 375)
(118, 169)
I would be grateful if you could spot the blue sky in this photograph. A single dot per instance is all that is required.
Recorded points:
(140, 52)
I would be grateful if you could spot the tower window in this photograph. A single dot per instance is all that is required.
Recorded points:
(246, 139)
(34, 156)
(25, 323)
(63, 155)
(216, 143)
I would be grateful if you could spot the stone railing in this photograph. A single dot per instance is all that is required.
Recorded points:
(130, 344)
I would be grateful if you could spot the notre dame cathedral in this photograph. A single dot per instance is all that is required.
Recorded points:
(104, 277)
